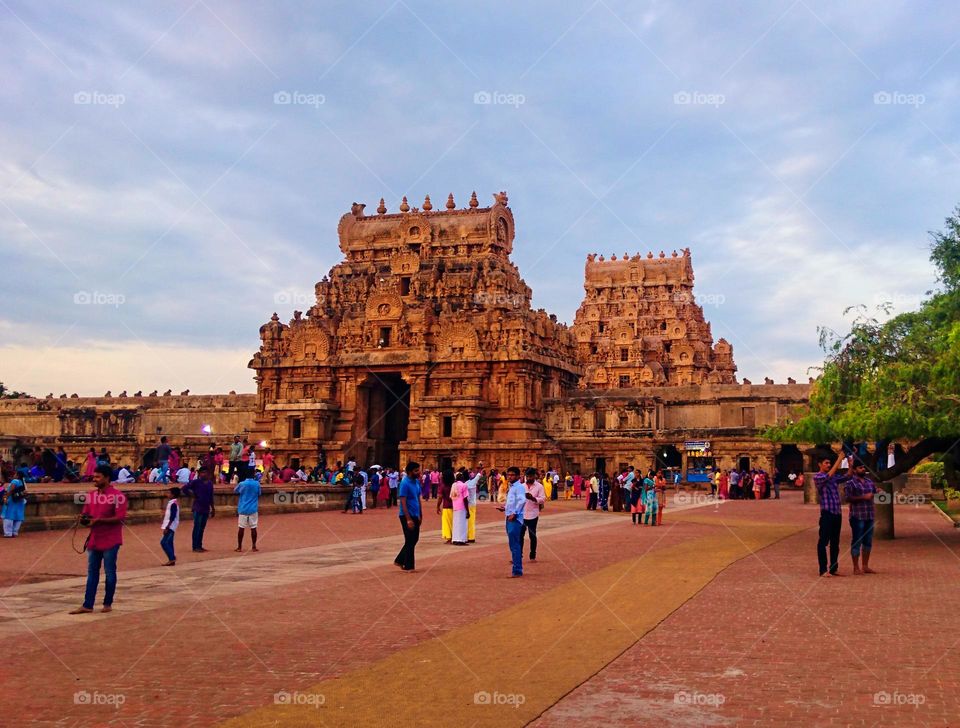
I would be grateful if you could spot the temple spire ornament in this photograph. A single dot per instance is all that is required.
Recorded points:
(474, 202)
(450, 203)
(382, 208)
(427, 205)
(404, 207)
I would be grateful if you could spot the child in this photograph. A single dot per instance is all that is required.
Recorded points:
(636, 502)
(356, 497)
(247, 510)
(171, 519)
(14, 504)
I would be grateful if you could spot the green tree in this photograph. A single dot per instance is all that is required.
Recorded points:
(898, 379)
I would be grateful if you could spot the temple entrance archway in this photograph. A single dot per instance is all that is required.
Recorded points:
(789, 460)
(387, 399)
(668, 457)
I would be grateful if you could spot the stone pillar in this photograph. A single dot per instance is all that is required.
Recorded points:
(809, 489)
(883, 526)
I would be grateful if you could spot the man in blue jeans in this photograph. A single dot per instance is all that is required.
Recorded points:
(513, 509)
(861, 492)
(202, 491)
(103, 511)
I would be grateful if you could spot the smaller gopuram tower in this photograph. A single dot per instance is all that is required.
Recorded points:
(640, 325)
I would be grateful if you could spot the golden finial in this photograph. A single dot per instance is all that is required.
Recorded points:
(382, 208)
(427, 205)
(404, 207)
(450, 203)
(473, 200)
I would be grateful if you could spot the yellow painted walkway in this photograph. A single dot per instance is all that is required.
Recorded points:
(507, 669)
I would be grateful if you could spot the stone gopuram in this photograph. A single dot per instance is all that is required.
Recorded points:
(640, 326)
(422, 344)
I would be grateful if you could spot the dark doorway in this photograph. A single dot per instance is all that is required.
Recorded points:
(601, 465)
(388, 414)
(743, 463)
(150, 459)
(668, 457)
(789, 460)
(445, 462)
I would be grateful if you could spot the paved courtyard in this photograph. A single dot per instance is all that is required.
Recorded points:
(717, 618)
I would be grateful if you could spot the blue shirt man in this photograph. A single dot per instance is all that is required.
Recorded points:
(513, 511)
(410, 489)
(249, 491)
(247, 516)
(410, 517)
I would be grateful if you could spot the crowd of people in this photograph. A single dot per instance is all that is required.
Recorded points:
(457, 494)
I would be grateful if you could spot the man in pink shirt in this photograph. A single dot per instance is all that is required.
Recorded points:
(536, 497)
(104, 511)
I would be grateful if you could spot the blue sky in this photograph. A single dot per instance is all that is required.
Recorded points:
(157, 203)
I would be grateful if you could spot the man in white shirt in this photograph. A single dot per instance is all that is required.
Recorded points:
(124, 475)
(472, 503)
(154, 475)
(183, 475)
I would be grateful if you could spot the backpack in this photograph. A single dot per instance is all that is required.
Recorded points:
(19, 493)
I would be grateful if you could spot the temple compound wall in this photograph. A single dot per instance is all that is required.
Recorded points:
(128, 426)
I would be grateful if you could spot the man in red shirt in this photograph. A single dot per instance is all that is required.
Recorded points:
(104, 511)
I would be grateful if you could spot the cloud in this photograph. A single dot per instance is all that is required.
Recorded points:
(102, 198)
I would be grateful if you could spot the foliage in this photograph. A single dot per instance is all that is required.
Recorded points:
(936, 471)
(7, 394)
(897, 379)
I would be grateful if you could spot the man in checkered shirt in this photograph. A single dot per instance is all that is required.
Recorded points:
(861, 491)
(831, 516)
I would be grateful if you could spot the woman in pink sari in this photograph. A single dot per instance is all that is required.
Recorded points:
(577, 485)
(90, 465)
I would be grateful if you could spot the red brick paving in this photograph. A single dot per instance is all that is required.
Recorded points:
(783, 647)
(220, 657)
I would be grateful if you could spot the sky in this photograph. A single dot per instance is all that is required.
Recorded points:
(173, 173)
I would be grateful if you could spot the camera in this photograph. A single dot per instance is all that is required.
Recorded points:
(84, 520)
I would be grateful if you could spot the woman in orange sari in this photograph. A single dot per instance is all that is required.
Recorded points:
(724, 490)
